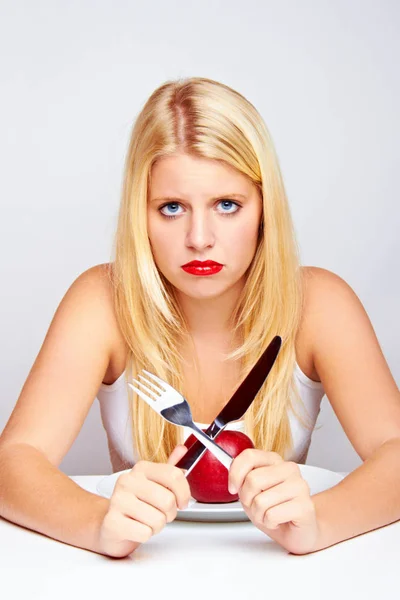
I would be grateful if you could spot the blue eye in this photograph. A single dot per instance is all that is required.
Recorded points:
(232, 203)
(174, 205)
(170, 204)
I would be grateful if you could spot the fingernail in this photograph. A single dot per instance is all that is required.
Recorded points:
(232, 489)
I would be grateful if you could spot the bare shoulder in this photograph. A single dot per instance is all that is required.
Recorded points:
(331, 311)
(98, 281)
(349, 362)
(99, 276)
(316, 275)
(95, 286)
(77, 351)
(324, 292)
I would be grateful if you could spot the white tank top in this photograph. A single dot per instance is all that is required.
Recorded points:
(116, 418)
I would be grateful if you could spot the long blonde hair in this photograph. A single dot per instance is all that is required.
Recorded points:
(207, 119)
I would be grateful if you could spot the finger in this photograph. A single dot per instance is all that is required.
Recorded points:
(137, 510)
(177, 453)
(297, 511)
(290, 489)
(147, 491)
(245, 462)
(263, 478)
(128, 529)
(166, 475)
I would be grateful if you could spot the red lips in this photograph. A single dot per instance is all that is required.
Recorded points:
(205, 263)
(204, 268)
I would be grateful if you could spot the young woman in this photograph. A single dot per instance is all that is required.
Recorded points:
(203, 183)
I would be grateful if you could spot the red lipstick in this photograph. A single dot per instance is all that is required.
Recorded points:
(198, 267)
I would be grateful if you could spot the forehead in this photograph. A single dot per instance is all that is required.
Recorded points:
(183, 174)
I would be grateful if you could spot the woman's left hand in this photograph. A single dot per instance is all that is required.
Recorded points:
(276, 499)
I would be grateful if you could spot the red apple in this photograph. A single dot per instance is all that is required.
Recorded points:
(208, 480)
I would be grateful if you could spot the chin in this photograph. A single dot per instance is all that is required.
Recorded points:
(208, 292)
(202, 295)
(201, 289)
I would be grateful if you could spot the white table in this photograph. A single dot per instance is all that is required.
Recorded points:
(190, 560)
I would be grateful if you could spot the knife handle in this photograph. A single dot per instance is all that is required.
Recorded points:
(197, 449)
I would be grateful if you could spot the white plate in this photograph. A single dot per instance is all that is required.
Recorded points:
(318, 479)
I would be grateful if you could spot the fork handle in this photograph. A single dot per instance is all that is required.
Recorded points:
(224, 457)
(197, 449)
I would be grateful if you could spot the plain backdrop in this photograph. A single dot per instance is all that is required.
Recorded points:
(74, 75)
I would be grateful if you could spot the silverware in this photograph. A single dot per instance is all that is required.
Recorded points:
(173, 407)
(237, 405)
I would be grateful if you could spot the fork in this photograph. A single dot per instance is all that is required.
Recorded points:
(173, 407)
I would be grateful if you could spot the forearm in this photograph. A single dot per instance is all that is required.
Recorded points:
(37, 495)
(368, 498)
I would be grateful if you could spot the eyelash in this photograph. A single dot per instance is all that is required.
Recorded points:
(231, 214)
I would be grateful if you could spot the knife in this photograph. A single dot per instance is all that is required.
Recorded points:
(237, 405)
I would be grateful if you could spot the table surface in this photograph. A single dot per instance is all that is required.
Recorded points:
(233, 559)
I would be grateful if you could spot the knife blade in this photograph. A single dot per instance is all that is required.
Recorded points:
(237, 405)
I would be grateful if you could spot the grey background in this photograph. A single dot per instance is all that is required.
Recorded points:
(75, 74)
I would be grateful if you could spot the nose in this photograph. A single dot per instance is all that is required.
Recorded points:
(200, 233)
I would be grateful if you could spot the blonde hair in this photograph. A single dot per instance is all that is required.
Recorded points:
(207, 119)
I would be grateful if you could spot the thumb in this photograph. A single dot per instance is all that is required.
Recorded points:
(177, 453)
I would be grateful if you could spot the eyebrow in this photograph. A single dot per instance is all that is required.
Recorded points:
(176, 199)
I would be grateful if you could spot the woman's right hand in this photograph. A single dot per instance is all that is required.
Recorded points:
(144, 500)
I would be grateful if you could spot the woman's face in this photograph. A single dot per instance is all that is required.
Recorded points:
(201, 209)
